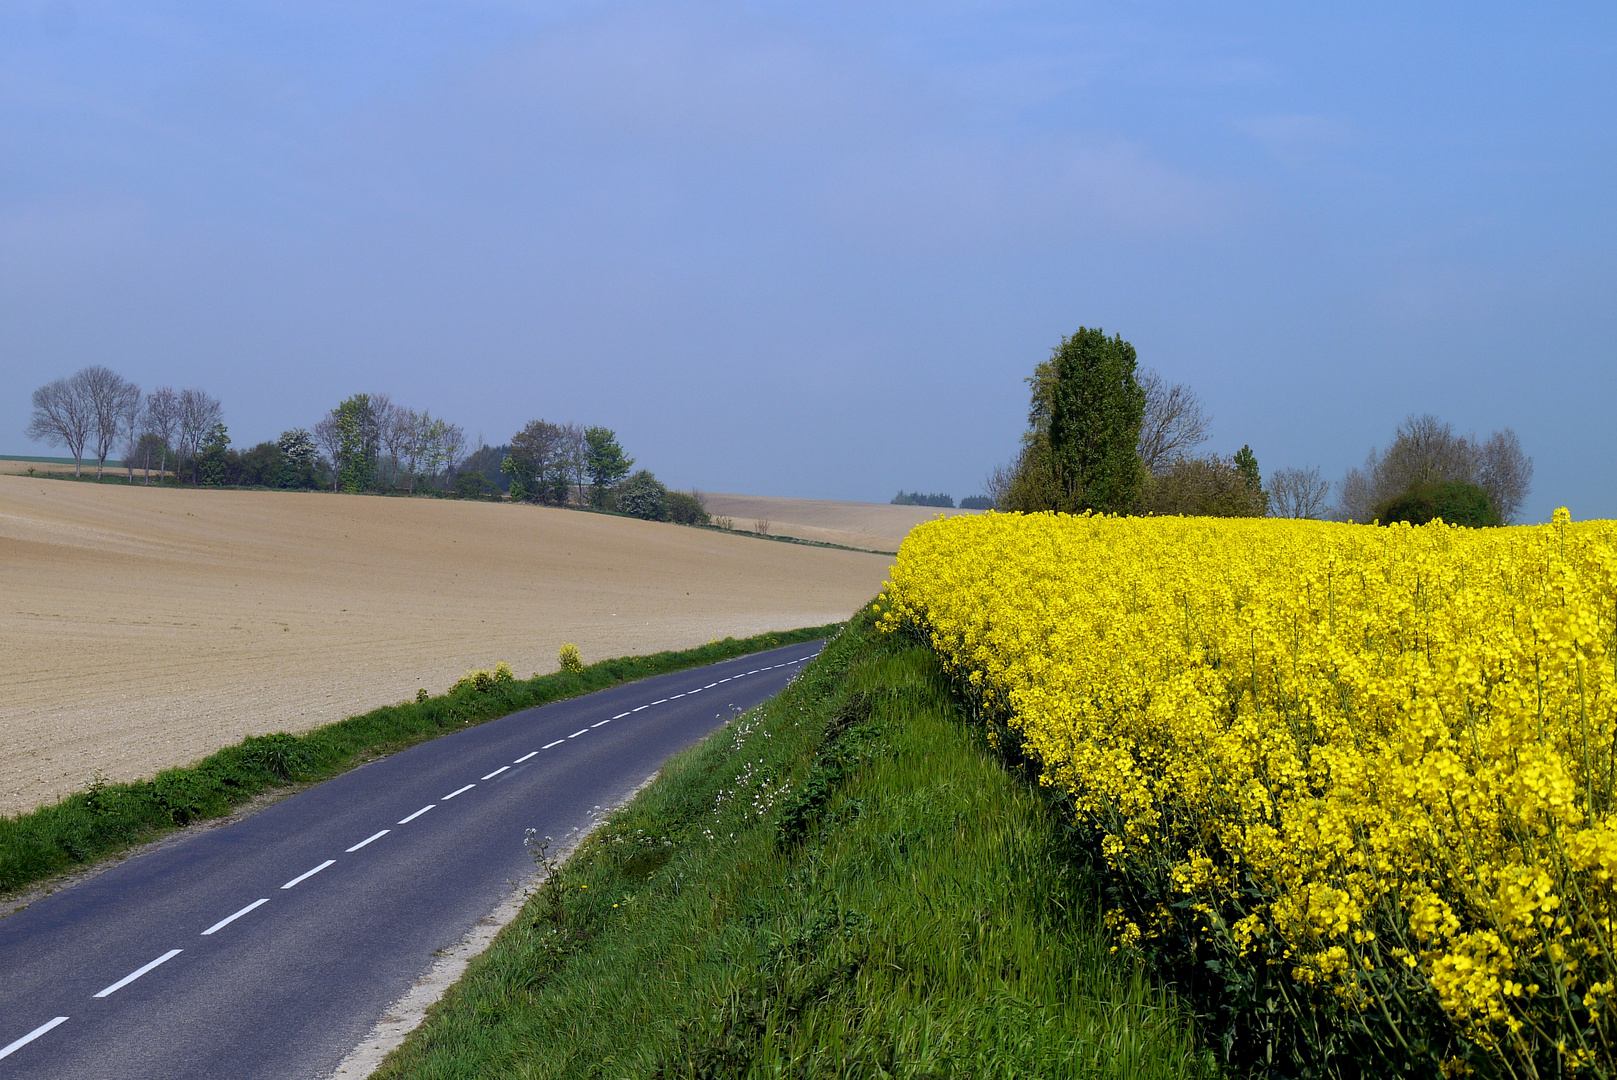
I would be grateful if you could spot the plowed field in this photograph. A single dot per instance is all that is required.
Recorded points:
(147, 627)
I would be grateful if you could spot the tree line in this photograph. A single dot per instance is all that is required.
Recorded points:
(1105, 436)
(366, 443)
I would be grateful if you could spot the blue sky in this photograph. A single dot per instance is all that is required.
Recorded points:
(814, 249)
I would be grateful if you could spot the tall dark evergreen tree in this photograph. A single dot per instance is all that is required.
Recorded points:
(1096, 408)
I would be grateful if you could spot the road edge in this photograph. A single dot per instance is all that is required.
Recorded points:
(410, 1010)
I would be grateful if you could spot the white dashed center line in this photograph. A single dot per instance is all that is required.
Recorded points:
(12, 1048)
(228, 919)
(49, 1025)
(138, 972)
(309, 873)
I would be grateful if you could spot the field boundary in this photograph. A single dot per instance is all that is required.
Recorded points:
(747, 533)
(844, 879)
(56, 844)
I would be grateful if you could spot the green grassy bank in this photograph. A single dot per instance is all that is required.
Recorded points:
(109, 818)
(843, 882)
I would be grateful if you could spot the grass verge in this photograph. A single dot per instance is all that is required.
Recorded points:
(845, 881)
(109, 818)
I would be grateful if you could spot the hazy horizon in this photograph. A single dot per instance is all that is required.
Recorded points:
(813, 250)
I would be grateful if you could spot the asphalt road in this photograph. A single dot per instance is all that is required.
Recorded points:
(270, 947)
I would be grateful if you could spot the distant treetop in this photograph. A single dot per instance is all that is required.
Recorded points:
(915, 498)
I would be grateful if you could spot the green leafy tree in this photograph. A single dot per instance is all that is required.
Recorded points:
(1081, 451)
(1208, 486)
(519, 476)
(356, 433)
(539, 462)
(605, 462)
(490, 461)
(1246, 463)
(473, 485)
(643, 496)
(300, 460)
(213, 460)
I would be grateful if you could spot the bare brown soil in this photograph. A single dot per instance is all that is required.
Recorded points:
(147, 627)
(874, 526)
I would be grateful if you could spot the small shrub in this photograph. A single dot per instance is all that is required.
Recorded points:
(470, 485)
(761, 526)
(569, 659)
(1455, 502)
(687, 509)
(484, 681)
(725, 523)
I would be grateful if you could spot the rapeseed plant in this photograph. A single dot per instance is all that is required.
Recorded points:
(1376, 762)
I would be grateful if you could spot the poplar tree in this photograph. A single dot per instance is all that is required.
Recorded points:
(1096, 408)
(356, 434)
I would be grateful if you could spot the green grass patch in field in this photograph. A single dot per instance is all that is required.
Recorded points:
(843, 882)
(60, 461)
(109, 818)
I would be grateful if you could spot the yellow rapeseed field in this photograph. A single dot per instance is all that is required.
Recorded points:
(1371, 768)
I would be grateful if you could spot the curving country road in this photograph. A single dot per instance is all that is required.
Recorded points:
(270, 947)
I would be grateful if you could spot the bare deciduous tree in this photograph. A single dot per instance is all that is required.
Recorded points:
(110, 398)
(1299, 493)
(162, 419)
(395, 430)
(1505, 473)
(576, 453)
(452, 444)
(131, 425)
(199, 412)
(62, 417)
(329, 438)
(997, 484)
(1426, 450)
(1174, 422)
(411, 443)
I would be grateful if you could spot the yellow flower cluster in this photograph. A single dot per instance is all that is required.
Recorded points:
(1379, 760)
(484, 680)
(569, 659)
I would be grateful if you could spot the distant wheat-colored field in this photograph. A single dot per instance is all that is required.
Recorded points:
(147, 627)
(875, 526)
